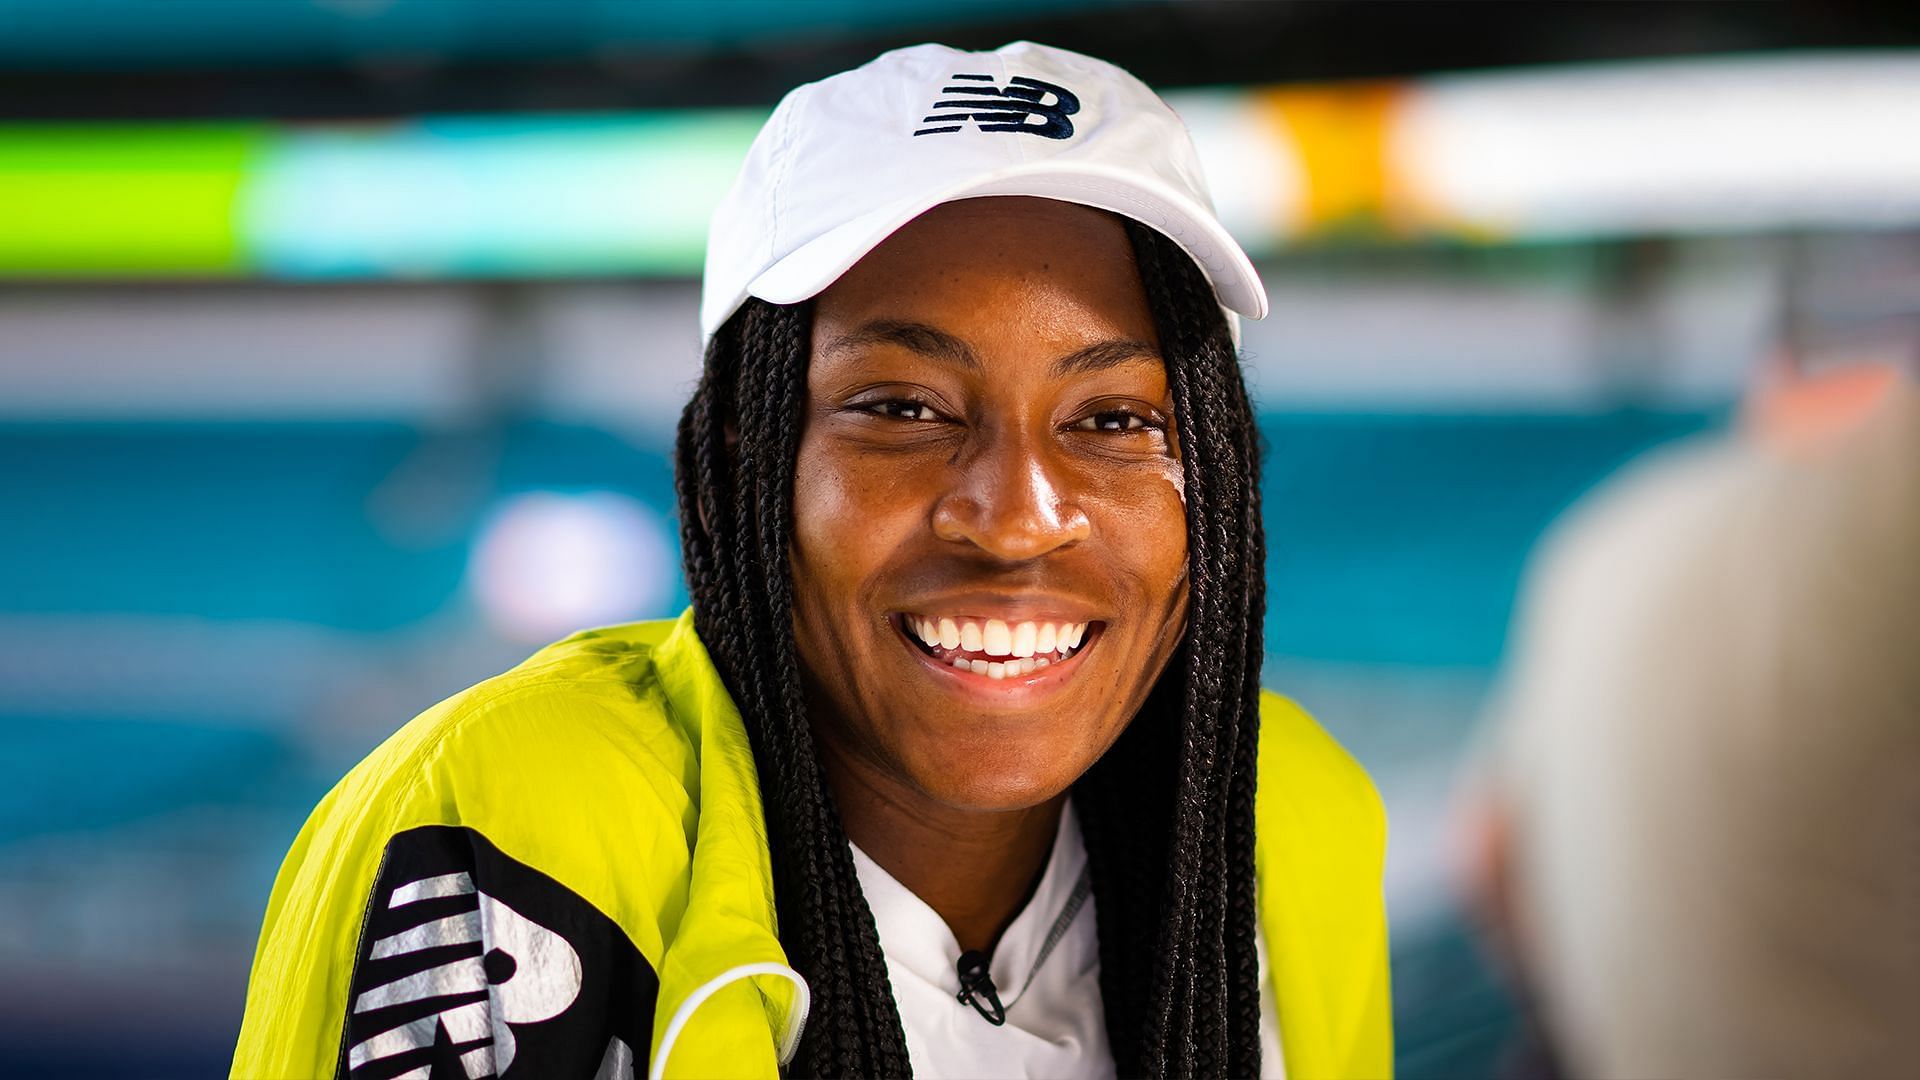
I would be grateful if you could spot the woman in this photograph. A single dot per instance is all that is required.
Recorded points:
(958, 765)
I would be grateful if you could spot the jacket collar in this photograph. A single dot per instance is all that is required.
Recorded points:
(729, 929)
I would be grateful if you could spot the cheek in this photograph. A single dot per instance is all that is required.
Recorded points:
(826, 501)
(848, 514)
(825, 498)
(829, 566)
(1145, 516)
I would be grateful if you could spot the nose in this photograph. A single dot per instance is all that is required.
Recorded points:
(1007, 499)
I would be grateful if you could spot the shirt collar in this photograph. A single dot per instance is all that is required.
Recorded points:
(915, 937)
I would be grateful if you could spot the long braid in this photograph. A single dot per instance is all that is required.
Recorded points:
(1208, 382)
(1167, 813)
(1243, 914)
(734, 470)
(1190, 1005)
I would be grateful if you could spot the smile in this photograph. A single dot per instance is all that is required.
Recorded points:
(996, 648)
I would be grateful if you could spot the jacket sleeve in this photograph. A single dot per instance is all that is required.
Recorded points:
(304, 962)
(429, 914)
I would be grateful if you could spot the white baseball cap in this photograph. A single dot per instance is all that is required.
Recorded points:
(844, 162)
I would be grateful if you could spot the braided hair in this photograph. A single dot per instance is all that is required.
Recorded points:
(1167, 812)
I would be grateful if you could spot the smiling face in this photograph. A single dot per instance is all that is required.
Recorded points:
(989, 549)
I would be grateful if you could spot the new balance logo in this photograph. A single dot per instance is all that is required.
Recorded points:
(472, 965)
(507, 970)
(1029, 105)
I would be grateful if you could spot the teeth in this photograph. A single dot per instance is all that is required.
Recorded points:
(1024, 637)
(998, 640)
(1017, 669)
(1018, 648)
(1002, 669)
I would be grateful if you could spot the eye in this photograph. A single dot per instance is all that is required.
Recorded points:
(1117, 420)
(902, 409)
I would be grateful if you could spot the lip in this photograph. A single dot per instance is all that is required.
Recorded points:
(1013, 688)
(1010, 607)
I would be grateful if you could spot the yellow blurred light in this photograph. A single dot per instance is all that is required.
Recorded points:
(93, 199)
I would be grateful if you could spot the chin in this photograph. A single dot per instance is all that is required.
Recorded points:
(1000, 779)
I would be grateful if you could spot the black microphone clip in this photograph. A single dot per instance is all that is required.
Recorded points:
(976, 987)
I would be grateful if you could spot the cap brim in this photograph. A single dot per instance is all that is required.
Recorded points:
(809, 269)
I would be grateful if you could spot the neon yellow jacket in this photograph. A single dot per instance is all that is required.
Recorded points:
(566, 867)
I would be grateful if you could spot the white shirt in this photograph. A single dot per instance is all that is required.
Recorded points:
(1055, 1024)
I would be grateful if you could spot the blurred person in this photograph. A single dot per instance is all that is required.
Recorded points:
(950, 768)
(1697, 836)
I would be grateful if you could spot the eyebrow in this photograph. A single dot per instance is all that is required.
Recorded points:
(1103, 355)
(912, 336)
(937, 344)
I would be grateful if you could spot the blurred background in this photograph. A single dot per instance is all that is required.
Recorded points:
(341, 344)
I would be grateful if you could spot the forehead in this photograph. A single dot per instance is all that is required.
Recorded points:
(1034, 272)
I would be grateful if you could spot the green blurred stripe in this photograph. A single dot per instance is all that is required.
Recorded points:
(114, 199)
